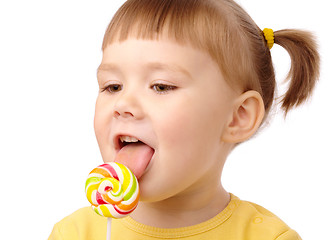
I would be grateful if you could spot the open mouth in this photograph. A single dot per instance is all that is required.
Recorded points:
(126, 140)
(133, 153)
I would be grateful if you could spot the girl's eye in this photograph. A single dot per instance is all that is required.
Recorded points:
(113, 88)
(162, 88)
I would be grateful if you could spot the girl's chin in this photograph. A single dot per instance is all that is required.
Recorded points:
(154, 193)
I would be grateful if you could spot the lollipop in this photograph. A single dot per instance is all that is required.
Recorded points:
(112, 189)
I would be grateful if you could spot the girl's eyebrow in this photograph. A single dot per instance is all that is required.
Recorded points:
(168, 67)
(107, 67)
(150, 66)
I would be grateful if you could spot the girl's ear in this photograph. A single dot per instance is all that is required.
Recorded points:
(247, 116)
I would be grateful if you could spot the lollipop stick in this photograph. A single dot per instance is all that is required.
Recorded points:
(109, 223)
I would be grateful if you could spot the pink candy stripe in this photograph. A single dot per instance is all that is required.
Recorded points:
(111, 170)
(121, 212)
(100, 199)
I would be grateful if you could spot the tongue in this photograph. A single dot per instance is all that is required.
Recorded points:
(136, 156)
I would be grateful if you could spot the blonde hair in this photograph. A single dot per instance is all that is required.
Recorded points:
(224, 30)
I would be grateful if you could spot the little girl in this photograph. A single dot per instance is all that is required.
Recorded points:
(189, 80)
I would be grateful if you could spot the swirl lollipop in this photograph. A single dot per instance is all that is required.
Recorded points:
(112, 189)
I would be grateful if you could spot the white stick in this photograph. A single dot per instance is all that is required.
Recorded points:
(109, 223)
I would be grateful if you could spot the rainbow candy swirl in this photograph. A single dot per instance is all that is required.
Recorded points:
(113, 190)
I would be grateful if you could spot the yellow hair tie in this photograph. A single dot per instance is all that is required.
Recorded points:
(269, 37)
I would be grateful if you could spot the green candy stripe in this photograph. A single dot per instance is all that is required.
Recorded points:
(133, 187)
(92, 180)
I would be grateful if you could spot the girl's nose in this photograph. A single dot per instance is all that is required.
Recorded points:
(128, 106)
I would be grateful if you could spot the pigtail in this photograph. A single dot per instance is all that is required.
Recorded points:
(304, 70)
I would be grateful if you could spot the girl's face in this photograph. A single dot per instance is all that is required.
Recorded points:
(173, 98)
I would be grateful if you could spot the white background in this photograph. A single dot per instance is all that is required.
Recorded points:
(49, 52)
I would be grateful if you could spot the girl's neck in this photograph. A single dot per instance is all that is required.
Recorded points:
(183, 210)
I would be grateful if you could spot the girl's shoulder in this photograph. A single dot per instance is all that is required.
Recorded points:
(260, 223)
(81, 224)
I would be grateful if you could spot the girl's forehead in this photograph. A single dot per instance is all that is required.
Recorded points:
(162, 39)
(157, 53)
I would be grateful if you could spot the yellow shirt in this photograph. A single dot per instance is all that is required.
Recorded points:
(240, 220)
